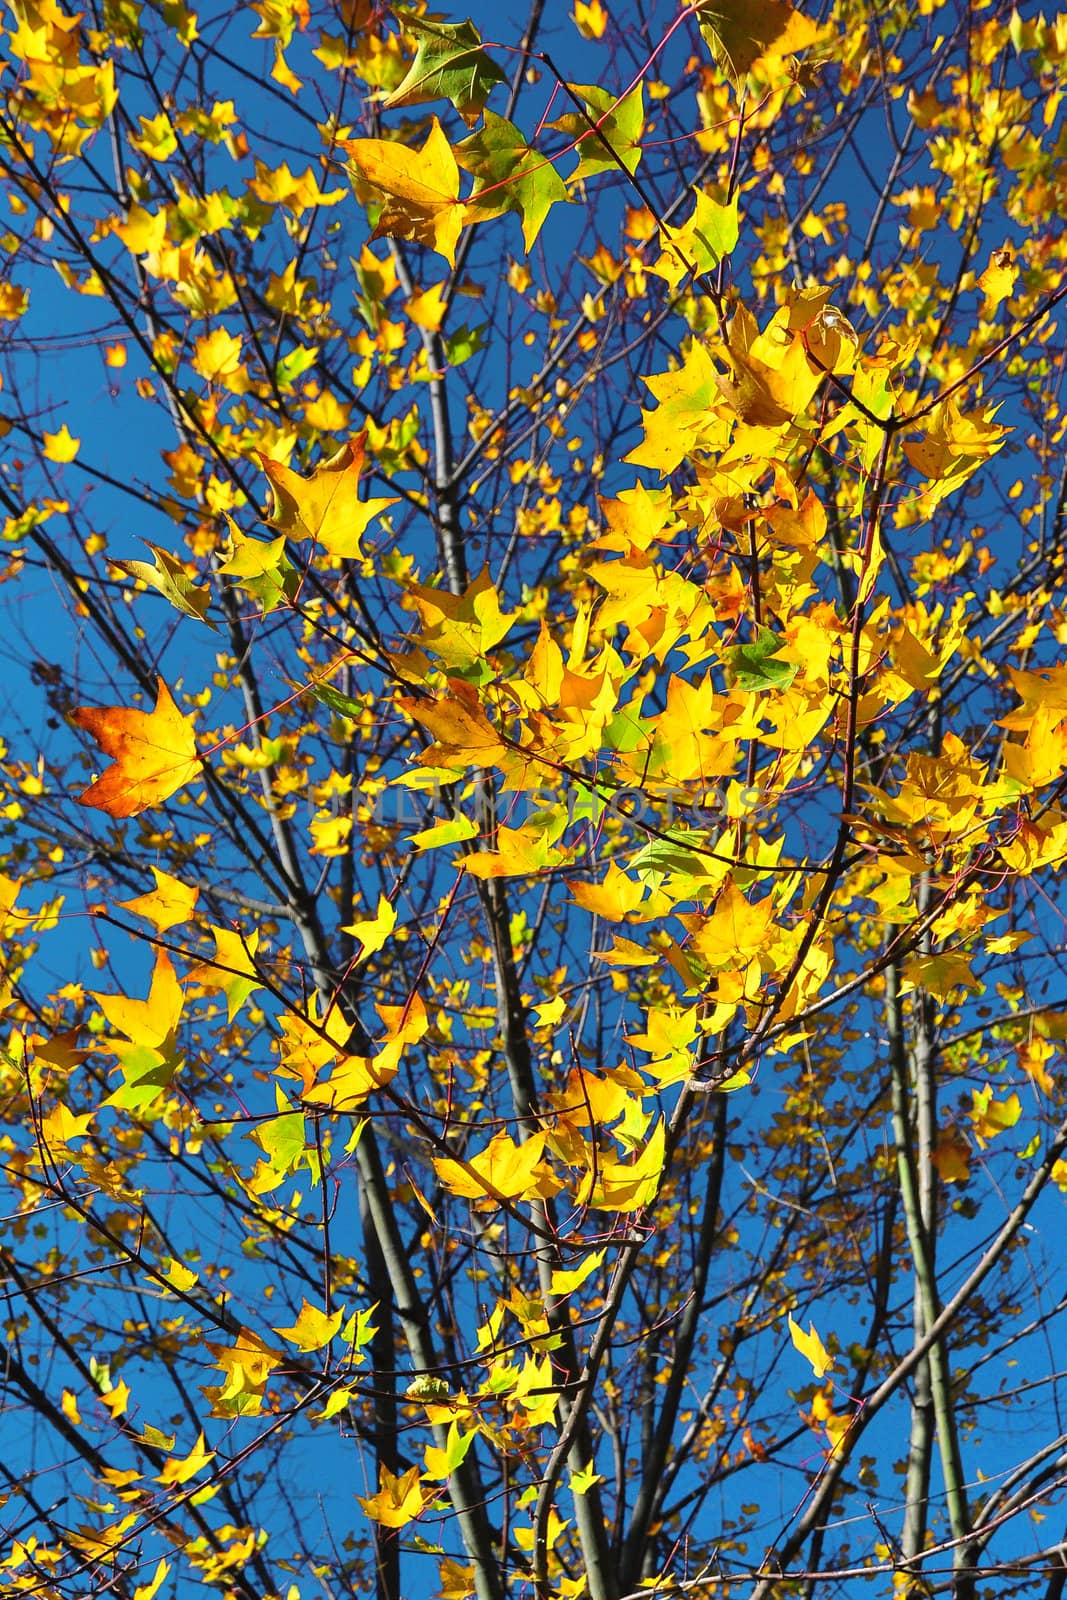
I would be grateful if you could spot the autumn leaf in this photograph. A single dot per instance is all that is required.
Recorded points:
(697, 245)
(233, 970)
(629, 1185)
(503, 1170)
(418, 191)
(991, 1117)
(149, 1021)
(460, 630)
(372, 932)
(756, 666)
(259, 567)
(177, 1472)
(59, 1125)
(62, 446)
(171, 902)
(465, 736)
(997, 282)
(153, 754)
(442, 1461)
(326, 506)
(246, 1365)
(147, 1055)
(608, 134)
(741, 33)
(615, 898)
(951, 1156)
(146, 1591)
(811, 1347)
(399, 1499)
(167, 575)
(313, 1329)
(590, 18)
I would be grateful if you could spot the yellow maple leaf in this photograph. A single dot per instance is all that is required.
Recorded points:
(1041, 758)
(178, 1275)
(61, 446)
(247, 1365)
(465, 736)
(811, 1346)
(194, 1462)
(951, 1156)
(325, 506)
(997, 282)
(145, 1591)
(13, 301)
(442, 1461)
(418, 190)
(700, 243)
(503, 1170)
(313, 1329)
(398, 1501)
(60, 1126)
(461, 629)
(154, 753)
(143, 230)
(147, 1022)
(990, 1117)
(744, 34)
(456, 1580)
(614, 898)
(589, 18)
(168, 904)
(630, 1186)
(372, 932)
(426, 308)
(233, 970)
(1033, 1056)
(117, 1401)
(520, 852)
(217, 358)
(282, 73)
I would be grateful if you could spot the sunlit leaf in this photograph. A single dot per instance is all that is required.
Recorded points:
(811, 1347)
(449, 63)
(153, 754)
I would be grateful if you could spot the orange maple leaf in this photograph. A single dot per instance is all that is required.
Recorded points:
(153, 754)
(325, 506)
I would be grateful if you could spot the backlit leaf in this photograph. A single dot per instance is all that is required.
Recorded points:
(740, 33)
(756, 665)
(811, 1347)
(153, 754)
(449, 63)
(168, 576)
(326, 506)
(509, 176)
(418, 191)
(313, 1329)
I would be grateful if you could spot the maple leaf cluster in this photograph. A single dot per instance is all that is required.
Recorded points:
(547, 883)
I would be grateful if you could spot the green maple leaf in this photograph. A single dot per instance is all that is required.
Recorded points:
(615, 137)
(343, 704)
(509, 176)
(260, 567)
(673, 854)
(756, 666)
(449, 64)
